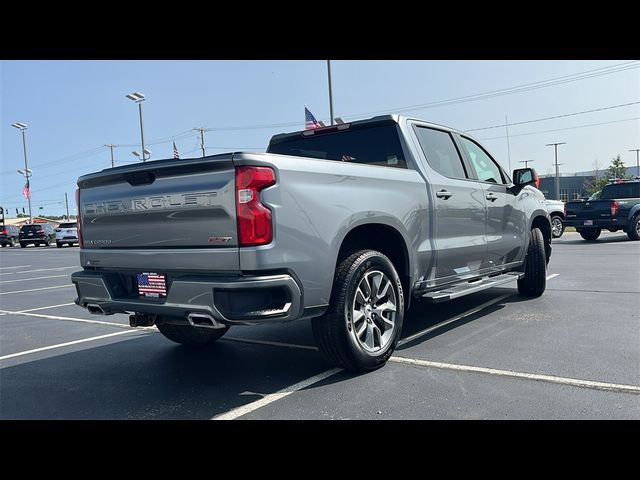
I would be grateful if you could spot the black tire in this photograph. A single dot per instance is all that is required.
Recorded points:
(4, 245)
(634, 229)
(58, 244)
(534, 281)
(188, 335)
(23, 245)
(590, 234)
(334, 332)
(12, 241)
(557, 226)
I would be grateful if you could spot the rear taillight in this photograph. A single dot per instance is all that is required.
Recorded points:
(41, 233)
(255, 226)
(614, 208)
(80, 240)
(5, 232)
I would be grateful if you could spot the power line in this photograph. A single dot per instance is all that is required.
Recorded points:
(562, 129)
(555, 116)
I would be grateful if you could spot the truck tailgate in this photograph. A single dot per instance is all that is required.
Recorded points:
(589, 210)
(161, 204)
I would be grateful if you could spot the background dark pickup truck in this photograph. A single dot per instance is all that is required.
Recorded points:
(617, 209)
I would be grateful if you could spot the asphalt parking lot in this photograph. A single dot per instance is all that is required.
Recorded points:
(573, 353)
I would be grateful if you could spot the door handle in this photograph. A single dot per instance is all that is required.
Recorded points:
(491, 197)
(443, 194)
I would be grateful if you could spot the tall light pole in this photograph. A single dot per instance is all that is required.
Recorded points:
(111, 146)
(330, 91)
(27, 173)
(637, 150)
(526, 162)
(138, 98)
(555, 147)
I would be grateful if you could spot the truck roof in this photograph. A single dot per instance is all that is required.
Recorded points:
(394, 117)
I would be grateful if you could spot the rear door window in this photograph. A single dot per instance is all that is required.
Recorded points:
(442, 154)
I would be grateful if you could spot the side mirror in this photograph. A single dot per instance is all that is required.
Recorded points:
(526, 176)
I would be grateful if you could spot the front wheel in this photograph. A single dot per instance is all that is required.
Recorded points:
(590, 234)
(534, 281)
(557, 226)
(58, 244)
(634, 229)
(363, 323)
(23, 245)
(188, 335)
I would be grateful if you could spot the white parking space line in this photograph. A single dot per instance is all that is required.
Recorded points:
(267, 342)
(17, 266)
(61, 345)
(273, 397)
(616, 387)
(39, 270)
(33, 279)
(73, 319)
(553, 275)
(454, 319)
(46, 308)
(37, 289)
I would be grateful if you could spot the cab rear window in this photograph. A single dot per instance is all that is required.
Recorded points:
(31, 228)
(375, 145)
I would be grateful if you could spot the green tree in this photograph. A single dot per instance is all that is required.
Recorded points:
(617, 169)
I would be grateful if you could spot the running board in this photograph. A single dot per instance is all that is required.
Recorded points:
(460, 290)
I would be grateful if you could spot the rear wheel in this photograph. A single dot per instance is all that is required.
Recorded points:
(58, 244)
(362, 326)
(12, 241)
(23, 245)
(590, 234)
(557, 226)
(188, 335)
(634, 229)
(534, 281)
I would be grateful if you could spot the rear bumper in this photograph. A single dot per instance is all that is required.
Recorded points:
(597, 223)
(245, 300)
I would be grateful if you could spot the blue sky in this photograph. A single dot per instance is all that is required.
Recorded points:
(72, 108)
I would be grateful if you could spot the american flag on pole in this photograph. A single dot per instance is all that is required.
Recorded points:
(151, 285)
(310, 121)
(26, 191)
(175, 151)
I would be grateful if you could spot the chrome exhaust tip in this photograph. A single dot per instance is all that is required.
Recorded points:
(203, 320)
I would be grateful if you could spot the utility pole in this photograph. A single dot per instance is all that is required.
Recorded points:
(506, 126)
(202, 130)
(637, 150)
(66, 203)
(111, 146)
(330, 92)
(555, 147)
(526, 162)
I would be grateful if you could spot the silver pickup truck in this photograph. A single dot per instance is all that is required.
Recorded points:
(345, 225)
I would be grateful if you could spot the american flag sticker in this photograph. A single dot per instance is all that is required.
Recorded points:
(151, 285)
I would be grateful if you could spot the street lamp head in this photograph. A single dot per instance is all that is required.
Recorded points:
(21, 172)
(136, 97)
(136, 153)
(19, 126)
(147, 151)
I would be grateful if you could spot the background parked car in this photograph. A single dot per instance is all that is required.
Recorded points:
(38, 234)
(9, 235)
(556, 212)
(67, 233)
